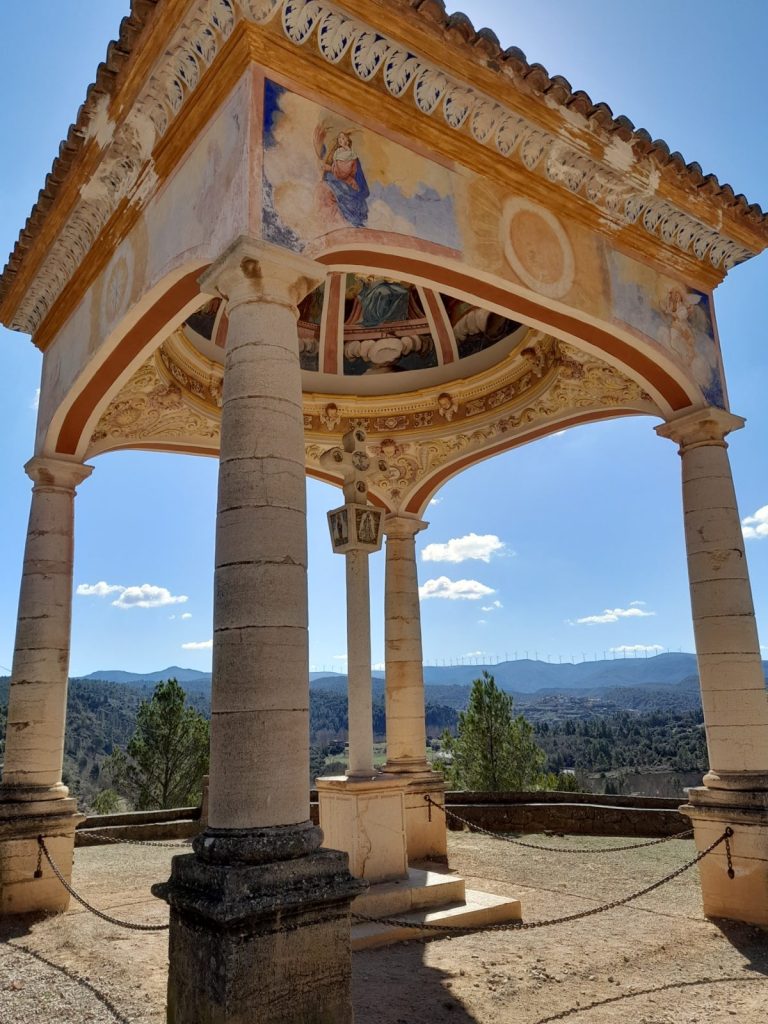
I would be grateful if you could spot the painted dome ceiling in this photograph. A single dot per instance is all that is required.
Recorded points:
(373, 335)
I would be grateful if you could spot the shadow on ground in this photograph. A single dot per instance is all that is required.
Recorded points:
(628, 996)
(749, 940)
(416, 993)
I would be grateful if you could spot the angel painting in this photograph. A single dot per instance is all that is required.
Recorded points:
(343, 176)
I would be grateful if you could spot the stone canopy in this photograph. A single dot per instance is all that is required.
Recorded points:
(502, 257)
(356, 240)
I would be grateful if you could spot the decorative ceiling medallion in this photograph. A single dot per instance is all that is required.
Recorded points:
(537, 248)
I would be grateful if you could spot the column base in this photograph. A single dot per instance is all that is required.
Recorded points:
(745, 896)
(366, 819)
(21, 822)
(751, 781)
(260, 943)
(426, 829)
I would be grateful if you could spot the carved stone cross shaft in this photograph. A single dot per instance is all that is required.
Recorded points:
(353, 462)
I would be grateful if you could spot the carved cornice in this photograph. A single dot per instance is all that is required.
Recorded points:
(436, 92)
(125, 174)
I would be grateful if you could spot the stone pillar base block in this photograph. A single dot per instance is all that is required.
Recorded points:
(425, 826)
(21, 822)
(745, 896)
(260, 944)
(366, 819)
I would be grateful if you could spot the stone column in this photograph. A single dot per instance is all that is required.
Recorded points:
(733, 690)
(405, 703)
(259, 914)
(33, 799)
(359, 680)
(363, 811)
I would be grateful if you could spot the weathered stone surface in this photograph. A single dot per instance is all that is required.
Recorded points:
(257, 845)
(744, 895)
(266, 944)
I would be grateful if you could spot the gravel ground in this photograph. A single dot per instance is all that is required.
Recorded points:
(657, 961)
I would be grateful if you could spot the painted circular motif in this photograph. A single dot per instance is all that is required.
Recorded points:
(537, 248)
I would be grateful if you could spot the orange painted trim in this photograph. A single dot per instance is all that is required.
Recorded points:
(130, 346)
(429, 488)
(519, 307)
(334, 326)
(437, 310)
(221, 331)
(169, 448)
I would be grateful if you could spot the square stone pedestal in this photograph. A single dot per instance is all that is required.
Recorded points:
(21, 822)
(260, 943)
(745, 896)
(425, 826)
(366, 819)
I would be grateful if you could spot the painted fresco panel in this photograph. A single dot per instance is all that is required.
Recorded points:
(323, 172)
(678, 317)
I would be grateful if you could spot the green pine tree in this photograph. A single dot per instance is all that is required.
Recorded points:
(166, 758)
(494, 750)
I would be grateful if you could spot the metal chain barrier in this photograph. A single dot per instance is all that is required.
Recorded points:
(510, 926)
(103, 837)
(396, 922)
(43, 852)
(552, 849)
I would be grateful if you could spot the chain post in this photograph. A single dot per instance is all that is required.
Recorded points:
(39, 868)
(728, 834)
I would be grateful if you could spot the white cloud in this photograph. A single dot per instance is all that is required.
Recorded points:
(454, 590)
(475, 654)
(187, 615)
(435, 501)
(755, 527)
(629, 648)
(636, 604)
(100, 589)
(146, 596)
(613, 615)
(198, 645)
(462, 549)
(492, 607)
(35, 403)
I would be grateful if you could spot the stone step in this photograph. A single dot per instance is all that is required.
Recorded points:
(423, 888)
(479, 908)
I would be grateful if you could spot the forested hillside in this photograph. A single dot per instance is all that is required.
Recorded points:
(599, 730)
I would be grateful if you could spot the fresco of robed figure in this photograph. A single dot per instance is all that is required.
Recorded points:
(343, 176)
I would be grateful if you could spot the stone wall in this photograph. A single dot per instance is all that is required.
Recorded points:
(571, 813)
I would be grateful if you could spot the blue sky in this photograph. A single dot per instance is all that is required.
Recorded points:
(588, 522)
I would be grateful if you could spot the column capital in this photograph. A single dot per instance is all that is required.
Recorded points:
(703, 427)
(61, 474)
(254, 271)
(398, 524)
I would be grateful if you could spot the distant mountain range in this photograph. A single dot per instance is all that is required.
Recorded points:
(521, 677)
